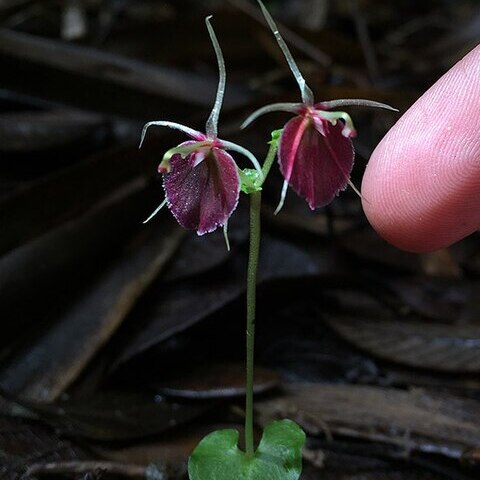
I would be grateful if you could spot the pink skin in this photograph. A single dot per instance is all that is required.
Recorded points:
(421, 187)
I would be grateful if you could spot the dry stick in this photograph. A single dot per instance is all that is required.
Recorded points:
(56, 468)
(303, 45)
(307, 48)
(365, 42)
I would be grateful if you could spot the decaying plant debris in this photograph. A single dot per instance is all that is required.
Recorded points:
(119, 342)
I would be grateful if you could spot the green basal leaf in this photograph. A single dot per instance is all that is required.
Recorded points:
(249, 180)
(278, 457)
(276, 134)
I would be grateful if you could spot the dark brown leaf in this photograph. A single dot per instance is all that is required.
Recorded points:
(179, 306)
(43, 204)
(375, 474)
(103, 82)
(441, 347)
(58, 356)
(34, 131)
(367, 245)
(217, 381)
(417, 420)
(171, 449)
(437, 298)
(198, 255)
(118, 416)
(91, 468)
(22, 443)
(53, 264)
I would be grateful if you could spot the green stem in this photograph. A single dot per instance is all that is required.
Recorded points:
(267, 165)
(253, 256)
(255, 207)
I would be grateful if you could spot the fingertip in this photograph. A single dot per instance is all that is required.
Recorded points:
(423, 180)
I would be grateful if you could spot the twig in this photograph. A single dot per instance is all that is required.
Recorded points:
(304, 46)
(365, 42)
(301, 44)
(83, 467)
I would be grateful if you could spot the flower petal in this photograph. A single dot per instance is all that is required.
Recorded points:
(289, 144)
(316, 166)
(202, 197)
(274, 107)
(198, 136)
(353, 102)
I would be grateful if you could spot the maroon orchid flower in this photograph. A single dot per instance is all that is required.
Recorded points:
(316, 153)
(201, 180)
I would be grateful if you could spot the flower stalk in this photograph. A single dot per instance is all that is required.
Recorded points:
(202, 184)
(253, 257)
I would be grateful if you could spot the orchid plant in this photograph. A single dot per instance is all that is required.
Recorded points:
(202, 184)
(201, 179)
